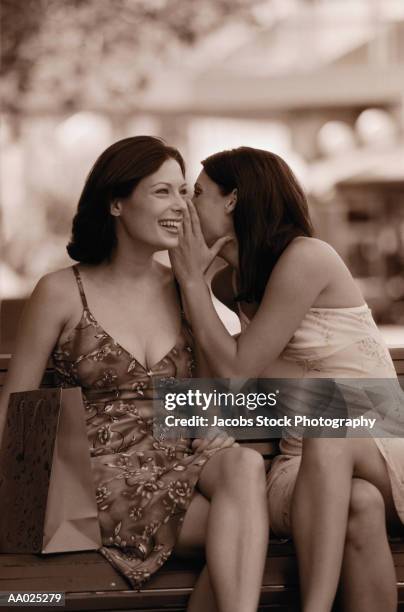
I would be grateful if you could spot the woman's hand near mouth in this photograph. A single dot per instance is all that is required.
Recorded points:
(192, 257)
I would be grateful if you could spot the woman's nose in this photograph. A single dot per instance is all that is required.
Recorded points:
(179, 204)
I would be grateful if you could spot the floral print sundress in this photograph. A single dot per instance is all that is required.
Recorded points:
(143, 485)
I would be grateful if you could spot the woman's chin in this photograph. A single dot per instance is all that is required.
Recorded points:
(169, 243)
(169, 237)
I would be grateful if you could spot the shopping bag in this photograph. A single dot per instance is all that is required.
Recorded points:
(47, 493)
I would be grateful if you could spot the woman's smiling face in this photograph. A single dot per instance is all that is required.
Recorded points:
(213, 208)
(152, 214)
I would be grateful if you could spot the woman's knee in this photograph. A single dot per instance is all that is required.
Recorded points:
(242, 465)
(366, 514)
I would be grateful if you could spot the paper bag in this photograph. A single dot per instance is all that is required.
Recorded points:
(47, 496)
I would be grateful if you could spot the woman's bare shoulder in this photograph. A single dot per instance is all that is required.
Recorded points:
(311, 253)
(57, 283)
(321, 269)
(306, 259)
(57, 292)
(310, 244)
(52, 304)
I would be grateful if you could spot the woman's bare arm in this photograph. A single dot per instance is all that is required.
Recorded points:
(294, 286)
(291, 291)
(221, 286)
(307, 271)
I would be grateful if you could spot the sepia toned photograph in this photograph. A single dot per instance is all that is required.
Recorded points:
(202, 305)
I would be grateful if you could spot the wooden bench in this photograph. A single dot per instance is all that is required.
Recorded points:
(90, 582)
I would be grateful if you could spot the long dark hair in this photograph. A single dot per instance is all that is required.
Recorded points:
(271, 210)
(114, 175)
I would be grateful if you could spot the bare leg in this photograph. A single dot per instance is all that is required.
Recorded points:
(237, 531)
(368, 579)
(203, 598)
(320, 510)
(319, 521)
(191, 543)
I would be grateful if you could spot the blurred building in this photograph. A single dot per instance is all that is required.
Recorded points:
(320, 82)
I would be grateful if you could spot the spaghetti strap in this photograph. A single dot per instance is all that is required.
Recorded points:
(80, 286)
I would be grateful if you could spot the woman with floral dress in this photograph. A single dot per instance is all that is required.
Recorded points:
(113, 324)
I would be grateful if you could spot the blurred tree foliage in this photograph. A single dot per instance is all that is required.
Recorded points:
(69, 54)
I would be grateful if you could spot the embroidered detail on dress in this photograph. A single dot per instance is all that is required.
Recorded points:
(376, 351)
(321, 321)
(310, 365)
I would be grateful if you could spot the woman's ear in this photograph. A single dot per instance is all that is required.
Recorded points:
(115, 208)
(231, 204)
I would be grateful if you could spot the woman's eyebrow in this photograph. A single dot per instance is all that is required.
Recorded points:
(167, 183)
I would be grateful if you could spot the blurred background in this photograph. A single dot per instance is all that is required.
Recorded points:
(320, 82)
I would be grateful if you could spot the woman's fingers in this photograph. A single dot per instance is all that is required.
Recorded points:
(194, 218)
(221, 440)
(226, 442)
(196, 443)
(181, 230)
(191, 257)
(197, 230)
(187, 223)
